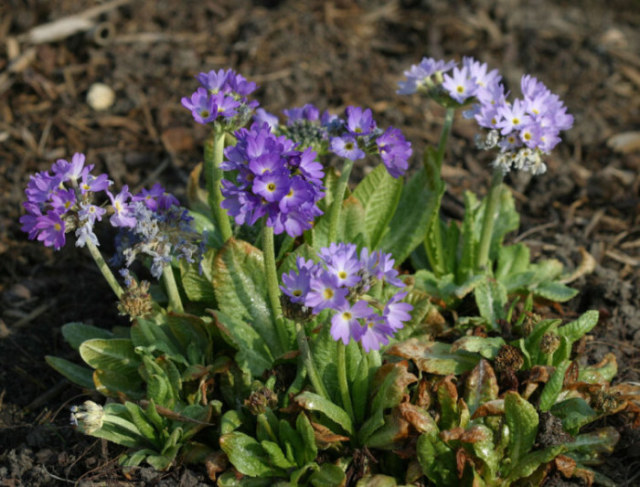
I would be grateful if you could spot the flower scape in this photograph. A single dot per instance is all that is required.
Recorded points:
(290, 325)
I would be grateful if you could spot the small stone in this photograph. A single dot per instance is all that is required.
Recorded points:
(100, 96)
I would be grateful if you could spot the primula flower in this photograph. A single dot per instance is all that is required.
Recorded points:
(347, 147)
(359, 121)
(461, 86)
(274, 180)
(338, 282)
(122, 210)
(51, 230)
(395, 151)
(420, 77)
(202, 106)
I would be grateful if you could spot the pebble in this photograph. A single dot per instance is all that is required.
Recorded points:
(100, 96)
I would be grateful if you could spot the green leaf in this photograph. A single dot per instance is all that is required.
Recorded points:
(77, 332)
(408, 227)
(508, 220)
(351, 226)
(590, 447)
(253, 352)
(156, 335)
(77, 374)
(575, 413)
(230, 479)
(532, 342)
(377, 480)
(248, 456)
(328, 475)
(530, 462)
(512, 259)
(481, 386)
(604, 371)
(522, 419)
(491, 298)
(435, 357)
(189, 330)
(580, 327)
(488, 347)
(241, 289)
(231, 421)
(276, 456)
(142, 424)
(305, 430)
(116, 384)
(437, 460)
(291, 440)
(553, 388)
(197, 280)
(113, 354)
(379, 194)
(314, 402)
(467, 261)
(554, 291)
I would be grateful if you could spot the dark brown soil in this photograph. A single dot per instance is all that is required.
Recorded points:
(332, 54)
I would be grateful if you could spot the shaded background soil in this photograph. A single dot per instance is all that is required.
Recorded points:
(333, 54)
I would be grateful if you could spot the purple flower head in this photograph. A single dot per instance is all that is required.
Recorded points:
(395, 151)
(376, 332)
(262, 116)
(307, 112)
(41, 187)
(513, 117)
(226, 106)
(461, 86)
(63, 200)
(214, 81)
(93, 184)
(202, 106)
(69, 171)
(345, 323)
(123, 213)
(156, 198)
(274, 179)
(51, 230)
(238, 84)
(419, 76)
(359, 121)
(397, 313)
(325, 292)
(347, 147)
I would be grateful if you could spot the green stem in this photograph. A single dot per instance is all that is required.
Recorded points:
(104, 269)
(444, 135)
(172, 288)
(490, 214)
(273, 290)
(305, 352)
(338, 197)
(213, 155)
(343, 385)
(433, 243)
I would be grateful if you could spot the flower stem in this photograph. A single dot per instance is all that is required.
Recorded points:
(273, 290)
(490, 214)
(104, 269)
(343, 385)
(444, 135)
(213, 154)
(433, 166)
(305, 352)
(172, 288)
(338, 197)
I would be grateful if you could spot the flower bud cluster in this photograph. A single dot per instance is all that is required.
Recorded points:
(352, 138)
(272, 179)
(339, 282)
(222, 96)
(523, 129)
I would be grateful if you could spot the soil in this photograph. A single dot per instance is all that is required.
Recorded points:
(332, 54)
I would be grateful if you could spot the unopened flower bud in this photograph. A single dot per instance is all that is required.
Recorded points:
(549, 343)
(88, 417)
(260, 400)
(136, 301)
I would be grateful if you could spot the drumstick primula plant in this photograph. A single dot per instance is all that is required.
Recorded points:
(290, 325)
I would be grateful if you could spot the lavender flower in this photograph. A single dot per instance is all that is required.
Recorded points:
(274, 180)
(523, 129)
(222, 98)
(339, 282)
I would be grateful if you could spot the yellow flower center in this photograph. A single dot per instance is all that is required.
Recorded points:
(327, 293)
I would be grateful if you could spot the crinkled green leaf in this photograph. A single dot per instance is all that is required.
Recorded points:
(488, 347)
(113, 354)
(116, 384)
(305, 430)
(522, 419)
(248, 456)
(328, 475)
(197, 279)
(553, 388)
(580, 327)
(408, 227)
(532, 461)
(378, 480)
(379, 194)
(575, 413)
(435, 357)
(276, 456)
(554, 291)
(314, 402)
(601, 372)
(437, 460)
(481, 386)
(241, 289)
(491, 298)
(512, 259)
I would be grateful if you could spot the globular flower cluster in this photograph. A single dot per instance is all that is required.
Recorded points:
(339, 282)
(62, 201)
(353, 138)
(523, 129)
(273, 180)
(222, 96)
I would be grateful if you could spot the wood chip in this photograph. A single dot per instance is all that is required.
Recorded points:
(625, 142)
